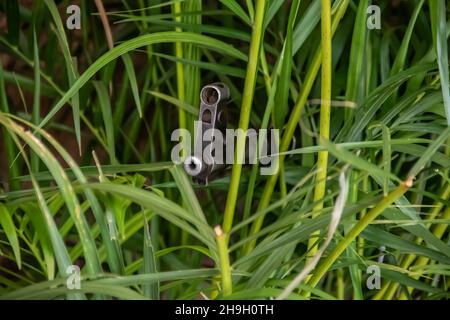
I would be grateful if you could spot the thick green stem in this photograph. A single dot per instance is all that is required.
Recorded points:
(180, 69)
(325, 109)
(224, 260)
(247, 99)
(292, 124)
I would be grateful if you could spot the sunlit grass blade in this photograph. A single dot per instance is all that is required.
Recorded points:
(439, 26)
(7, 224)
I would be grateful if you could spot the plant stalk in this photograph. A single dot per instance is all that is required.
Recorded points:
(224, 260)
(247, 99)
(325, 110)
(292, 125)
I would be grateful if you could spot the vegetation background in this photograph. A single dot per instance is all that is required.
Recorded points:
(86, 177)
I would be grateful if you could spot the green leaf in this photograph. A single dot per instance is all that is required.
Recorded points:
(438, 25)
(66, 190)
(36, 97)
(303, 30)
(357, 54)
(130, 45)
(151, 290)
(281, 97)
(129, 68)
(180, 104)
(161, 206)
(71, 65)
(392, 241)
(429, 152)
(237, 9)
(105, 106)
(7, 224)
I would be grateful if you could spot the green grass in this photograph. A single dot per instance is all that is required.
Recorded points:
(86, 176)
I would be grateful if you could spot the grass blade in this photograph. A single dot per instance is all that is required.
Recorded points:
(7, 224)
(439, 25)
(133, 82)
